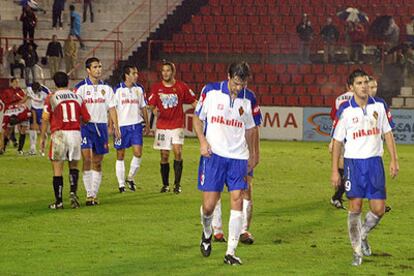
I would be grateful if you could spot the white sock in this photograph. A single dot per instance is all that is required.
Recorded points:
(96, 182)
(206, 222)
(235, 225)
(134, 167)
(120, 172)
(87, 182)
(371, 220)
(247, 214)
(33, 139)
(217, 222)
(354, 230)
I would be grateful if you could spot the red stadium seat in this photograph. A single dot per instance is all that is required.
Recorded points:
(288, 90)
(284, 78)
(305, 100)
(317, 68)
(266, 100)
(327, 90)
(279, 100)
(300, 90)
(292, 100)
(297, 79)
(259, 78)
(313, 90)
(263, 90)
(271, 78)
(309, 79)
(275, 90)
(317, 101)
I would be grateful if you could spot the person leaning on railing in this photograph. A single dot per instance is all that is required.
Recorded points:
(70, 51)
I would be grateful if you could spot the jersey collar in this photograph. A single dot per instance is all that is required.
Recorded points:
(371, 100)
(89, 82)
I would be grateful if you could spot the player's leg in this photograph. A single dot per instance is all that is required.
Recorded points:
(372, 218)
(354, 228)
(246, 237)
(73, 139)
(73, 180)
(177, 145)
(22, 137)
(217, 223)
(178, 167)
(96, 175)
(120, 169)
(136, 142)
(165, 170)
(206, 212)
(236, 182)
(87, 172)
(1, 141)
(336, 199)
(57, 167)
(134, 166)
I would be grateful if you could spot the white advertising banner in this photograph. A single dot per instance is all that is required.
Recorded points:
(282, 123)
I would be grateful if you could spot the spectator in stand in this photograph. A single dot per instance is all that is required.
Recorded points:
(410, 31)
(29, 21)
(330, 36)
(305, 32)
(86, 4)
(14, 58)
(58, 7)
(54, 55)
(357, 36)
(75, 25)
(71, 55)
(392, 35)
(30, 59)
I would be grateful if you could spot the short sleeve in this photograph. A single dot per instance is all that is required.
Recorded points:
(249, 122)
(110, 97)
(257, 114)
(202, 105)
(387, 123)
(339, 130)
(189, 96)
(47, 108)
(142, 100)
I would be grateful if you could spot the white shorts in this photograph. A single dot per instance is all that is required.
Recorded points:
(165, 138)
(65, 145)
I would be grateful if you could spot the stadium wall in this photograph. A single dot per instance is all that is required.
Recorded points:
(310, 124)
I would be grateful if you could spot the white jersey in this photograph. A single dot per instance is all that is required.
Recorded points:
(98, 99)
(361, 129)
(129, 103)
(37, 100)
(225, 120)
(2, 107)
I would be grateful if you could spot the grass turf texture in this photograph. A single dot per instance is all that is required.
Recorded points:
(297, 231)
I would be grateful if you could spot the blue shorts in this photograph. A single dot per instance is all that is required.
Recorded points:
(130, 136)
(95, 137)
(215, 171)
(365, 178)
(38, 116)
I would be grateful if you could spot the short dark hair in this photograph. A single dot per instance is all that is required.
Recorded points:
(13, 79)
(356, 73)
(72, 7)
(36, 86)
(168, 63)
(239, 69)
(90, 60)
(126, 70)
(371, 78)
(61, 79)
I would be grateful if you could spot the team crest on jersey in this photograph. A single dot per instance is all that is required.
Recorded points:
(103, 92)
(220, 106)
(169, 100)
(375, 114)
(355, 120)
(241, 111)
(88, 93)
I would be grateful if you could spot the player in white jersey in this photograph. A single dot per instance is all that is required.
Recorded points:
(99, 99)
(37, 94)
(360, 124)
(223, 123)
(131, 109)
(336, 199)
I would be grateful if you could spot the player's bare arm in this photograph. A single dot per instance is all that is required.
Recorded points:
(256, 144)
(205, 149)
(250, 145)
(336, 152)
(114, 119)
(392, 149)
(194, 104)
(45, 123)
(147, 123)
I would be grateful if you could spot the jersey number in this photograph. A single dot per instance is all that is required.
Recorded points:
(72, 112)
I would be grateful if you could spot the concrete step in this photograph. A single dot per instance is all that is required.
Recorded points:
(406, 91)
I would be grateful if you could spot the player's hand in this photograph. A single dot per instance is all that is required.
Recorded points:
(146, 130)
(394, 168)
(205, 149)
(251, 163)
(117, 133)
(335, 179)
(330, 146)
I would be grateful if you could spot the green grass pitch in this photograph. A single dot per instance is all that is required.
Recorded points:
(147, 233)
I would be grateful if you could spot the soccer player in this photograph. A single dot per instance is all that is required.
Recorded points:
(131, 110)
(98, 98)
(336, 199)
(223, 123)
(15, 100)
(373, 86)
(168, 97)
(37, 94)
(246, 237)
(360, 123)
(64, 110)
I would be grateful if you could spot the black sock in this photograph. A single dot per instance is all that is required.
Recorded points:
(73, 180)
(178, 170)
(22, 139)
(58, 187)
(341, 189)
(5, 142)
(165, 173)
